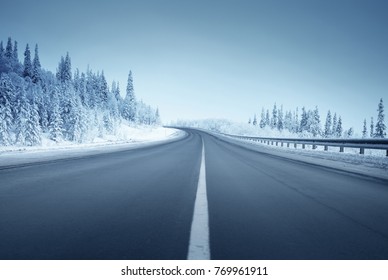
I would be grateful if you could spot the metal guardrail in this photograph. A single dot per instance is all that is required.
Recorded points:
(362, 144)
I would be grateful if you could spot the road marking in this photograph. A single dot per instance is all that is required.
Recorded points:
(199, 248)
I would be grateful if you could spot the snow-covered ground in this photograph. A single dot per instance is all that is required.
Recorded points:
(126, 138)
(373, 163)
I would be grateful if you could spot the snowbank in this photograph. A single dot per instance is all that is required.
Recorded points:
(126, 138)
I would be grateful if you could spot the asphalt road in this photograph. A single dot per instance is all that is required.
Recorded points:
(139, 204)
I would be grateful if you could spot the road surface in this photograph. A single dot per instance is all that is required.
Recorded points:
(139, 204)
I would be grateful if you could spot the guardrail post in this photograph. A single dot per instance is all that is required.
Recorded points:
(281, 144)
(268, 142)
(387, 153)
(362, 151)
(341, 149)
(326, 148)
(303, 146)
(272, 143)
(288, 145)
(314, 147)
(295, 145)
(276, 143)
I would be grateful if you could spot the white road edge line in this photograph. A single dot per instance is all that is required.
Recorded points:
(199, 246)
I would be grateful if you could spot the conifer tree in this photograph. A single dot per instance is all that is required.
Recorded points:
(327, 132)
(36, 67)
(334, 129)
(27, 72)
(339, 129)
(2, 51)
(129, 106)
(60, 70)
(274, 119)
(23, 108)
(15, 55)
(8, 50)
(67, 68)
(262, 118)
(7, 94)
(303, 121)
(380, 124)
(280, 122)
(267, 119)
(33, 127)
(56, 123)
(315, 127)
(372, 128)
(364, 130)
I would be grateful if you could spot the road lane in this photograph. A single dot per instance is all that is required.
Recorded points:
(266, 207)
(134, 204)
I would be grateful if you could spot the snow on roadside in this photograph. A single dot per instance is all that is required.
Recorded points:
(126, 138)
(372, 163)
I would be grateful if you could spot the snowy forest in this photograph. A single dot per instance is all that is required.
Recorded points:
(294, 124)
(309, 123)
(36, 103)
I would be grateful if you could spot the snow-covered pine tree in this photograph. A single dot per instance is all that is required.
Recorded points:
(8, 49)
(372, 128)
(55, 123)
(254, 120)
(5, 123)
(27, 72)
(64, 69)
(90, 90)
(327, 132)
(303, 121)
(349, 133)
(28, 131)
(274, 118)
(280, 122)
(296, 126)
(15, 54)
(267, 119)
(67, 69)
(334, 128)
(287, 121)
(34, 126)
(23, 115)
(339, 128)
(2, 51)
(61, 66)
(315, 127)
(262, 118)
(36, 67)
(5, 137)
(7, 93)
(364, 130)
(380, 124)
(129, 104)
(82, 92)
(104, 91)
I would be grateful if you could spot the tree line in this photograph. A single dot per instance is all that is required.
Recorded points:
(307, 123)
(64, 106)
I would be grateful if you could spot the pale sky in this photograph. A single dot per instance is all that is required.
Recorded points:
(219, 59)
